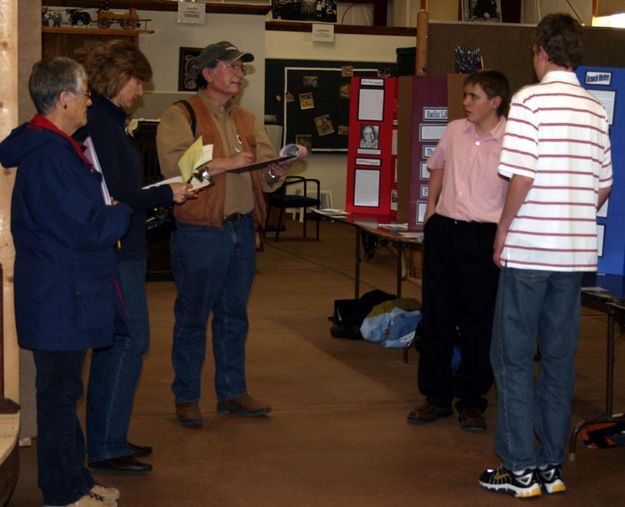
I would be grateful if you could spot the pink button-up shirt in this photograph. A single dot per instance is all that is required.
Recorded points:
(472, 189)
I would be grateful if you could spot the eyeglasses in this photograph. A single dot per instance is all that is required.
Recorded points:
(234, 67)
(84, 94)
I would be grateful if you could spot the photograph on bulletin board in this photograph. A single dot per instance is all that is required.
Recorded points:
(481, 10)
(304, 10)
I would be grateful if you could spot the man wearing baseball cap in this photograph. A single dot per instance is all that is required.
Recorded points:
(214, 246)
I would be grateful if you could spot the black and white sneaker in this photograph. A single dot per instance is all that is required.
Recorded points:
(502, 480)
(551, 479)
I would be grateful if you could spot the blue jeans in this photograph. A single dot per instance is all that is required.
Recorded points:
(213, 269)
(531, 304)
(115, 371)
(63, 478)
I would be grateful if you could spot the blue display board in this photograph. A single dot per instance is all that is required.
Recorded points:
(608, 85)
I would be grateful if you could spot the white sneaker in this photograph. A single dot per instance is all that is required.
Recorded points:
(105, 492)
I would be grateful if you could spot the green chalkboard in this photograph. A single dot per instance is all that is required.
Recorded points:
(310, 99)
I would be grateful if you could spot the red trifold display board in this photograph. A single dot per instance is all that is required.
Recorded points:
(371, 175)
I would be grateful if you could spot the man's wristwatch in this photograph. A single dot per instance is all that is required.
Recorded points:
(272, 176)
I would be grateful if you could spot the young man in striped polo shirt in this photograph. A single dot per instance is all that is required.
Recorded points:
(556, 152)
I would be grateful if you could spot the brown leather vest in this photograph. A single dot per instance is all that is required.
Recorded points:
(208, 208)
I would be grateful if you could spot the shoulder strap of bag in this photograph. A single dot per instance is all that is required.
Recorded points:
(192, 119)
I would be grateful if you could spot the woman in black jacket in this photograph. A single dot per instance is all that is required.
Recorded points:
(117, 71)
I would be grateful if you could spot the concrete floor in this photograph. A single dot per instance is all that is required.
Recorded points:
(337, 436)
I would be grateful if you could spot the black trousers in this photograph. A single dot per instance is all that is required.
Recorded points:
(459, 291)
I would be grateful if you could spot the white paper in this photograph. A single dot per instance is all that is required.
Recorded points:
(603, 210)
(367, 188)
(600, 238)
(371, 105)
(431, 132)
(421, 207)
(394, 227)
(607, 99)
(191, 12)
(376, 162)
(178, 179)
(322, 32)
(92, 157)
(411, 235)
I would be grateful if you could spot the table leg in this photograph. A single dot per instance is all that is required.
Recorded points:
(400, 256)
(609, 387)
(357, 259)
(609, 377)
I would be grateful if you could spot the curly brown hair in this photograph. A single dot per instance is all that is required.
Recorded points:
(112, 64)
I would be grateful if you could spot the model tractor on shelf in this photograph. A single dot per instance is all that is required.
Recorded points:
(50, 17)
(127, 21)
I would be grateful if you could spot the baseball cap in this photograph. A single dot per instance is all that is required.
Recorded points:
(223, 50)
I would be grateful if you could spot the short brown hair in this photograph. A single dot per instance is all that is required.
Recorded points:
(494, 84)
(111, 65)
(560, 35)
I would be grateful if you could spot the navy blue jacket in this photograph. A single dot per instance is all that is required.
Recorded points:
(121, 167)
(64, 236)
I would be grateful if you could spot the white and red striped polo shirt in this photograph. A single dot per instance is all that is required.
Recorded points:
(556, 134)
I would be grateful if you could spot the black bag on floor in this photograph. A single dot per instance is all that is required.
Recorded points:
(349, 313)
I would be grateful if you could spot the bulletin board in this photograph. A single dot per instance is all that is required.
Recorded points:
(310, 99)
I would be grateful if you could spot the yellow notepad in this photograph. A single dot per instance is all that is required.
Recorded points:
(195, 157)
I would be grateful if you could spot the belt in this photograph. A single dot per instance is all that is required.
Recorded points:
(234, 217)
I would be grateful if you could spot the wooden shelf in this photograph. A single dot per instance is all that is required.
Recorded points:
(160, 5)
(76, 41)
(111, 32)
(299, 26)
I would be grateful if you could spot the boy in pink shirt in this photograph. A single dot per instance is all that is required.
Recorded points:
(465, 201)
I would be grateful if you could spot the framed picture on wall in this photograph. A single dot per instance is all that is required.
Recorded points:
(323, 11)
(188, 68)
(481, 10)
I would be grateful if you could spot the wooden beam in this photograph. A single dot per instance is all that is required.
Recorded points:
(158, 5)
(380, 14)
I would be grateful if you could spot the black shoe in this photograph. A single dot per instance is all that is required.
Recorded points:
(551, 479)
(428, 412)
(502, 480)
(121, 465)
(139, 451)
(472, 419)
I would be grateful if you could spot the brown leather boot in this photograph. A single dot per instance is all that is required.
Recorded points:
(188, 414)
(243, 405)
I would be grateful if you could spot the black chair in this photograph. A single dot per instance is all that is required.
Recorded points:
(294, 194)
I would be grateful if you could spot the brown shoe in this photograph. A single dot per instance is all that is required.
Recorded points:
(243, 405)
(472, 419)
(428, 412)
(188, 414)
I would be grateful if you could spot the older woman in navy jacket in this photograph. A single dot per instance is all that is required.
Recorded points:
(65, 271)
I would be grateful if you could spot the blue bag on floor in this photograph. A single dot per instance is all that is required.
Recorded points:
(392, 324)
